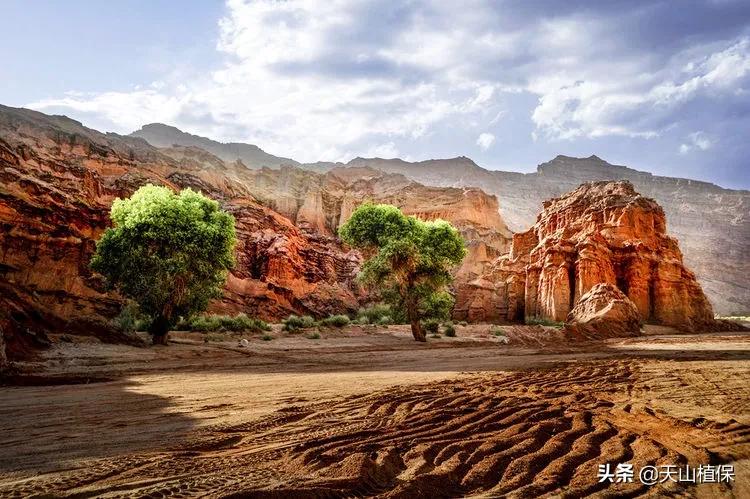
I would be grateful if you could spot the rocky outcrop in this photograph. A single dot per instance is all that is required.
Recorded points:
(318, 204)
(711, 223)
(603, 312)
(602, 232)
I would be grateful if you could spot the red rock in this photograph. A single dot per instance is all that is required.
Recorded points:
(603, 312)
(58, 180)
(602, 232)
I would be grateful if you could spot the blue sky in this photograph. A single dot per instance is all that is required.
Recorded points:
(662, 86)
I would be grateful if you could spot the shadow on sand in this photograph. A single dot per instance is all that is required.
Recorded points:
(45, 429)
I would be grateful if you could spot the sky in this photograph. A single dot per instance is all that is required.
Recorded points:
(659, 85)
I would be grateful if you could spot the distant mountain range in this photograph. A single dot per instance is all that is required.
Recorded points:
(712, 223)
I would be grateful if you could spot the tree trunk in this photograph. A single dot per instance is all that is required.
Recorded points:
(416, 325)
(160, 330)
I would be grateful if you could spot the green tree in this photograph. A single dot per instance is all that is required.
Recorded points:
(169, 252)
(406, 255)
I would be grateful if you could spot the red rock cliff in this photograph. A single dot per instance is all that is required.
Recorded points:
(602, 232)
(58, 181)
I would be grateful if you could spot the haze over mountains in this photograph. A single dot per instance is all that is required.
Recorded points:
(712, 223)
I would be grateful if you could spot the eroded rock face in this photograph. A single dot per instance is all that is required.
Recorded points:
(603, 312)
(711, 223)
(602, 232)
(58, 180)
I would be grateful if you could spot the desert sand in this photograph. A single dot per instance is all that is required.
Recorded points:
(369, 412)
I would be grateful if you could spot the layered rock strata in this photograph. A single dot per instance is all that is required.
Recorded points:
(602, 232)
(58, 180)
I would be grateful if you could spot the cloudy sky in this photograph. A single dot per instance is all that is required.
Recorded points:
(662, 86)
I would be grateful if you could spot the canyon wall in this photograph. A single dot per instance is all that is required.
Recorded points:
(59, 179)
(711, 223)
(57, 182)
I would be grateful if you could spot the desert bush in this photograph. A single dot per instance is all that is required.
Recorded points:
(241, 322)
(374, 313)
(266, 337)
(204, 323)
(385, 320)
(437, 305)
(336, 321)
(463, 323)
(313, 336)
(449, 330)
(497, 331)
(131, 319)
(540, 321)
(295, 322)
(431, 325)
(127, 318)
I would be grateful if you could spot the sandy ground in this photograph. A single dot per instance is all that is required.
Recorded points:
(372, 413)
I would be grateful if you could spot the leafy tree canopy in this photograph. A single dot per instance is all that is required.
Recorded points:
(169, 252)
(407, 257)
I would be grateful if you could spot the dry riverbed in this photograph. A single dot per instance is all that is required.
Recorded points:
(367, 411)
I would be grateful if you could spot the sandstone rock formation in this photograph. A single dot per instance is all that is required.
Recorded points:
(602, 232)
(58, 181)
(711, 223)
(318, 204)
(603, 312)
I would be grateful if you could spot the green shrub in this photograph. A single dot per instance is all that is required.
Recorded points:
(266, 337)
(241, 322)
(449, 330)
(336, 321)
(295, 322)
(385, 321)
(540, 321)
(431, 325)
(182, 325)
(437, 305)
(204, 323)
(313, 336)
(143, 324)
(131, 319)
(374, 313)
(127, 318)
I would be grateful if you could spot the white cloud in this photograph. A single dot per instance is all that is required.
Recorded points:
(636, 105)
(697, 141)
(387, 150)
(485, 140)
(325, 80)
(308, 115)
